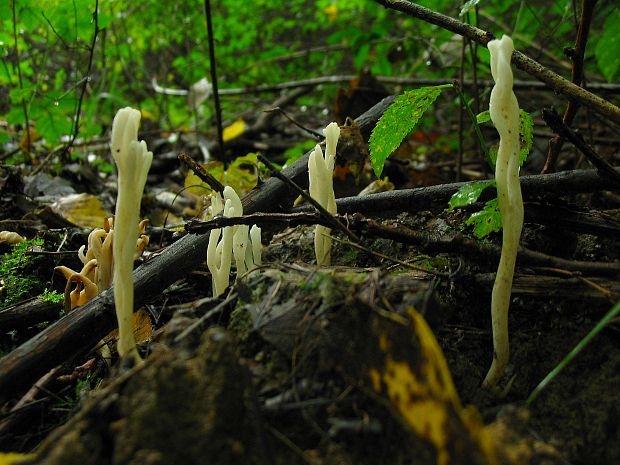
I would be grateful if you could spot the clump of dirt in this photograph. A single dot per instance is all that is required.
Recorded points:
(175, 408)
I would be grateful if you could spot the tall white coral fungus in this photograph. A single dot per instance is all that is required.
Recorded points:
(133, 161)
(321, 182)
(504, 110)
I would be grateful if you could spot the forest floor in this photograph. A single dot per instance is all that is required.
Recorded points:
(330, 365)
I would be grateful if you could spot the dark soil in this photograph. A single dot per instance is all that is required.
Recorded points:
(284, 374)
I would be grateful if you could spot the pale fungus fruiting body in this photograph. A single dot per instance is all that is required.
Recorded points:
(239, 241)
(98, 265)
(504, 110)
(257, 246)
(321, 187)
(133, 161)
(10, 237)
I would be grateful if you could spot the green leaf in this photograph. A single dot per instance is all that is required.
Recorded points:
(483, 117)
(469, 193)
(398, 121)
(487, 220)
(526, 135)
(468, 6)
(606, 52)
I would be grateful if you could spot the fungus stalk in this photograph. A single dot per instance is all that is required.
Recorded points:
(504, 110)
(133, 161)
(321, 181)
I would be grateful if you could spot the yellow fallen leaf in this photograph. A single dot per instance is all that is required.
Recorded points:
(412, 373)
(141, 326)
(234, 130)
(84, 210)
(14, 458)
(196, 186)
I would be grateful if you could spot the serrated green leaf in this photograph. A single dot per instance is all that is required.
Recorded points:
(606, 52)
(487, 220)
(398, 121)
(469, 193)
(483, 117)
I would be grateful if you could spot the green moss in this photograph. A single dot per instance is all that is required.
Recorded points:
(17, 273)
(53, 297)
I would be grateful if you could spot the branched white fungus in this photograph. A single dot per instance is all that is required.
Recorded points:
(504, 110)
(133, 161)
(237, 241)
(321, 186)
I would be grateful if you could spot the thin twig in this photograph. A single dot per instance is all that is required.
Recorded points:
(19, 77)
(395, 80)
(392, 259)
(555, 144)
(295, 122)
(91, 54)
(202, 173)
(199, 324)
(474, 121)
(261, 219)
(558, 126)
(216, 95)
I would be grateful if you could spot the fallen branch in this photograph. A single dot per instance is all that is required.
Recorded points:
(423, 198)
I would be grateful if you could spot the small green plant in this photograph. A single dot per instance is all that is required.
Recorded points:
(489, 219)
(17, 273)
(53, 297)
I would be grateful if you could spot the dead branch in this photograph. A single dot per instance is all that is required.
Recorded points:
(460, 244)
(612, 88)
(522, 61)
(28, 313)
(559, 126)
(577, 56)
(424, 198)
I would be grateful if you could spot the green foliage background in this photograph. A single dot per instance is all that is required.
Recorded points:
(258, 42)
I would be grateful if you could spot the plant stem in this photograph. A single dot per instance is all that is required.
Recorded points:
(19, 77)
(216, 95)
(610, 315)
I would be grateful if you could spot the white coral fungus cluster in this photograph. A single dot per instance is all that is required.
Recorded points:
(321, 181)
(239, 241)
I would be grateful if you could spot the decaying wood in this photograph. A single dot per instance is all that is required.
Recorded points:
(28, 313)
(570, 287)
(78, 331)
